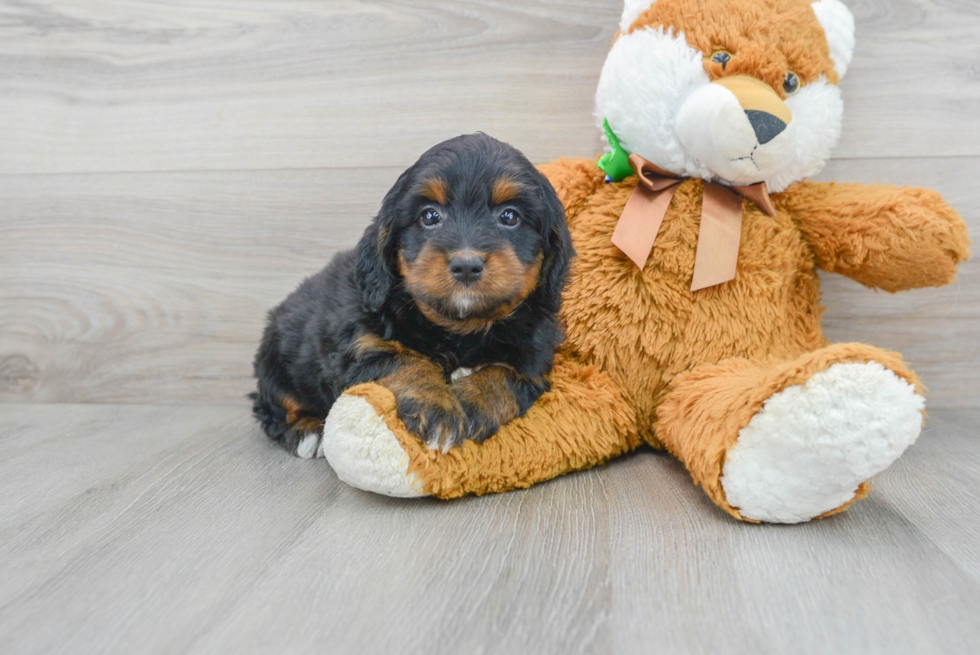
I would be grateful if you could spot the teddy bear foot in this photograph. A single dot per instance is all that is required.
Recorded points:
(813, 445)
(364, 452)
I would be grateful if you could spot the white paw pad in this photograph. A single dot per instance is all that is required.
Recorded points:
(364, 452)
(813, 444)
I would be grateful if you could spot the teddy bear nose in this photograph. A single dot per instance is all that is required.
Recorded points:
(466, 269)
(767, 127)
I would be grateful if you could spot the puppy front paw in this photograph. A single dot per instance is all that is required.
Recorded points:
(435, 417)
(481, 425)
(487, 401)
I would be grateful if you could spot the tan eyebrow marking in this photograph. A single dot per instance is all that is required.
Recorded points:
(504, 189)
(436, 190)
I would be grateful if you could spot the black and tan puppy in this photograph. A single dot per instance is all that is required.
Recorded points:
(450, 300)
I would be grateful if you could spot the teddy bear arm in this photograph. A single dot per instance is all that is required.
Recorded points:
(574, 181)
(582, 422)
(892, 238)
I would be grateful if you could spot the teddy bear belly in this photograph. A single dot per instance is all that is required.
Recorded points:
(645, 327)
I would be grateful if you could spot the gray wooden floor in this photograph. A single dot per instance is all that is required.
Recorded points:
(170, 169)
(199, 536)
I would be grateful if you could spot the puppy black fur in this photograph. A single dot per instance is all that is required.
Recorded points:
(461, 272)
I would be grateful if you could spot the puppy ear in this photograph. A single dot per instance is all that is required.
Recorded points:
(374, 278)
(375, 252)
(558, 250)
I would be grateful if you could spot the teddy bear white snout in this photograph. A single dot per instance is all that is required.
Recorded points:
(738, 128)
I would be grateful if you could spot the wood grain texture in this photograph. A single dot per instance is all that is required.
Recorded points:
(153, 288)
(149, 85)
(170, 170)
(276, 117)
(843, 586)
(934, 328)
(208, 539)
(145, 85)
(132, 287)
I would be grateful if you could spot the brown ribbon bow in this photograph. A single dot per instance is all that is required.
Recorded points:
(721, 221)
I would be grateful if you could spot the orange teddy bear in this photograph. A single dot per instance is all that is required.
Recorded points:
(693, 310)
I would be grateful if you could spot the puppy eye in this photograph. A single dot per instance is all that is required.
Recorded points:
(509, 218)
(791, 84)
(430, 218)
(722, 57)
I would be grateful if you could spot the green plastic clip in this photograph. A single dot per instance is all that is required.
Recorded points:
(615, 164)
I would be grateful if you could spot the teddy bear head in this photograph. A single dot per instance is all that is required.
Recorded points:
(732, 91)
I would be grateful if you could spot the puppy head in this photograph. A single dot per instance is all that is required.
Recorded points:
(471, 231)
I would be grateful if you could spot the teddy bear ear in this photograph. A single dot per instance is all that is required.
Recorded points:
(838, 23)
(631, 11)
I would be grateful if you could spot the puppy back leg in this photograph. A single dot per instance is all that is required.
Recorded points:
(285, 421)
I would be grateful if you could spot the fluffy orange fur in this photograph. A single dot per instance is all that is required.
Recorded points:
(582, 422)
(646, 359)
(766, 37)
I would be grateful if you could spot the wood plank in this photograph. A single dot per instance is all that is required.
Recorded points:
(170, 544)
(75, 448)
(147, 288)
(296, 84)
(934, 328)
(912, 61)
(163, 541)
(148, 86)
(154, 287)
(216, 541)
(945, 464)
(870, 580)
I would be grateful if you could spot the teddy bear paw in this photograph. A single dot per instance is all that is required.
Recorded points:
(364, 452)
(812, 445)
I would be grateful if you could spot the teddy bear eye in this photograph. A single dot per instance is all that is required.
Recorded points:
(791, 84)
(722, 57)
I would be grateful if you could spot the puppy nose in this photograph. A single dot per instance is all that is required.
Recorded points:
(466, 269)
(767, 127)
